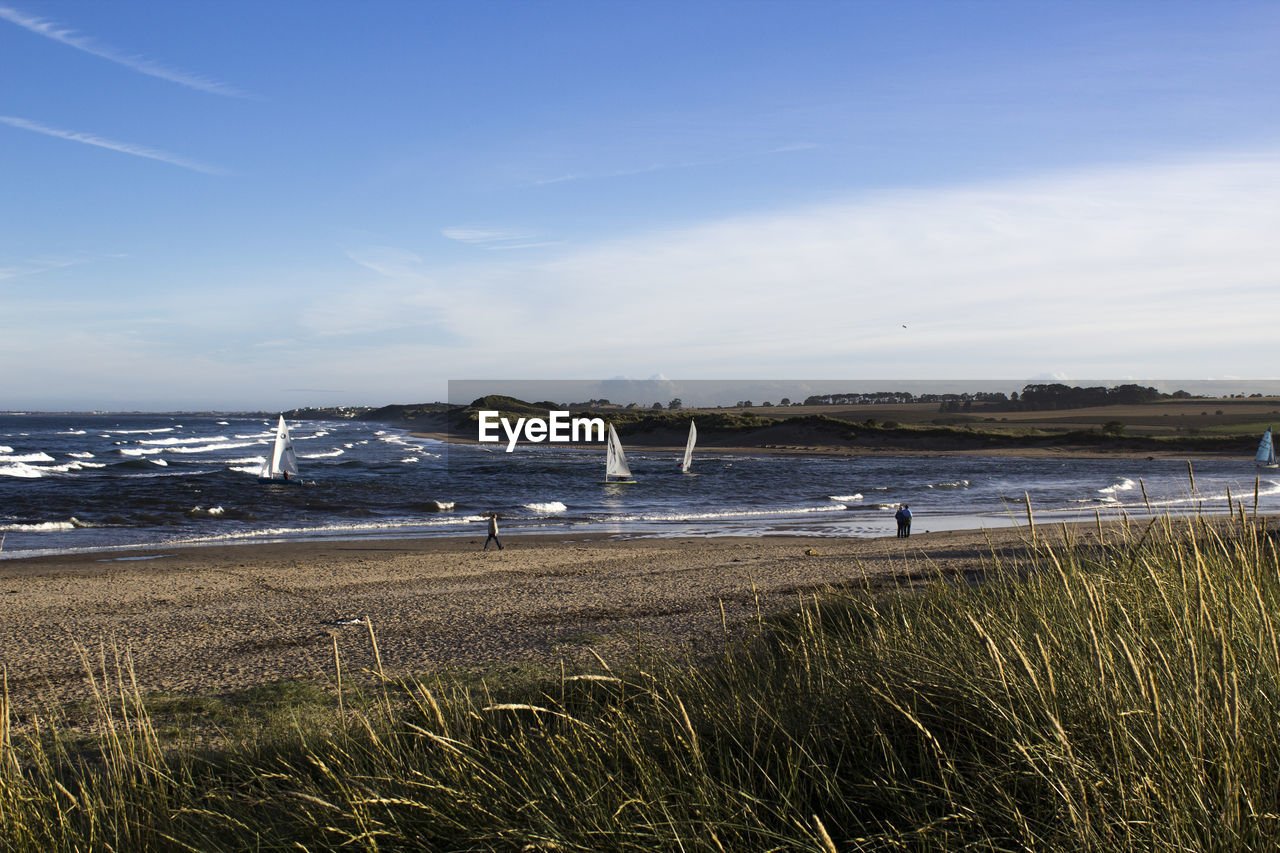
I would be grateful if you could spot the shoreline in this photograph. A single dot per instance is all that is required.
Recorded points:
(217, 619)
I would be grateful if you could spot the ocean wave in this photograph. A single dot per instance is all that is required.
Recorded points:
(139, 451)
(21, 469)
(4, 449)
(72, 432)
(331, 453)
(45, 526)
(732, 513)
(845, 498)
(201, 512)
(409, 459)
(1125, 485)
(83, 455)
(953, 484)
(212, 448)
(439, 506)
(139, 431)
(257, 435)
(28, 457)
(549, 507)
(166, 442)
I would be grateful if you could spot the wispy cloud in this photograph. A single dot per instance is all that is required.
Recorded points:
(39, 265)
(496, 239)
(111, 145)
(142, 65)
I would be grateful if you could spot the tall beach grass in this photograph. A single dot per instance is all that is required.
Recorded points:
(1120, 692)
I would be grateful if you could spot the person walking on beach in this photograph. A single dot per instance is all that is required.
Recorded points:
(493, 532)
(904, 521)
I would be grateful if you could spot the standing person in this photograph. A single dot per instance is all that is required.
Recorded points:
(906, 521)
(493, 532)
(901, 518)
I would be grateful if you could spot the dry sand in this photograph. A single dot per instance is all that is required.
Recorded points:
(213, 620)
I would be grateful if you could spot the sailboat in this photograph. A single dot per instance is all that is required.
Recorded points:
(615, 461)
(1266, 456)
(282, 465)
(688, 448)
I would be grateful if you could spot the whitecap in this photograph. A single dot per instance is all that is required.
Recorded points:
(84, 455)
(845, 498)
(138, 431)
(208, 448)
(171, 441)
(41, 526)
(1124, 485)
(409, 459)
(21, 469)
(953, 484)
(28, 457)
(337, 452)
(549, 507)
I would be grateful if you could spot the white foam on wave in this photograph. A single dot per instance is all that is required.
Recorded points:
(139, 451)
(247, 460)
(953, 484)
(21, 469)
(409, 459)
(1124, 485)
(171, 441)
(331, 453)
(138, 431)
(732, 513)
(5, 449)
(162, 463)
(548, 507)
(319, 434)
(45, 526)
(255, 469)
(71, 432)
(28, 457)
(223, 423)
(256, 435)
(201, 512)
(845, 498)
(82, 455)
(209, 448)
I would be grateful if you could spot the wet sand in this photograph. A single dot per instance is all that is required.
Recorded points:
(217, 619)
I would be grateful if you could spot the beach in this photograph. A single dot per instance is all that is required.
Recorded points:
(214, 620)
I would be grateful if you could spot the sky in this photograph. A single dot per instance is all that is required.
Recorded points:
(238, 205)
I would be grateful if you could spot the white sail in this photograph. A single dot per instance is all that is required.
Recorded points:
(1266, 456)
(688, 448)
(282, 459)
(615, 461)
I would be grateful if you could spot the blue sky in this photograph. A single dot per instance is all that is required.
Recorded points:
(265, 205)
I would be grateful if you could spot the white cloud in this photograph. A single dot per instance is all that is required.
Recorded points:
(71, 38)
(122, 147)
(496, 239)
(1151, 271)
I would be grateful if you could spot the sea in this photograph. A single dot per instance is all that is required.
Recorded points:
(72, 483)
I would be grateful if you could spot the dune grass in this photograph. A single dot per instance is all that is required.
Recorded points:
(1122, 694)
